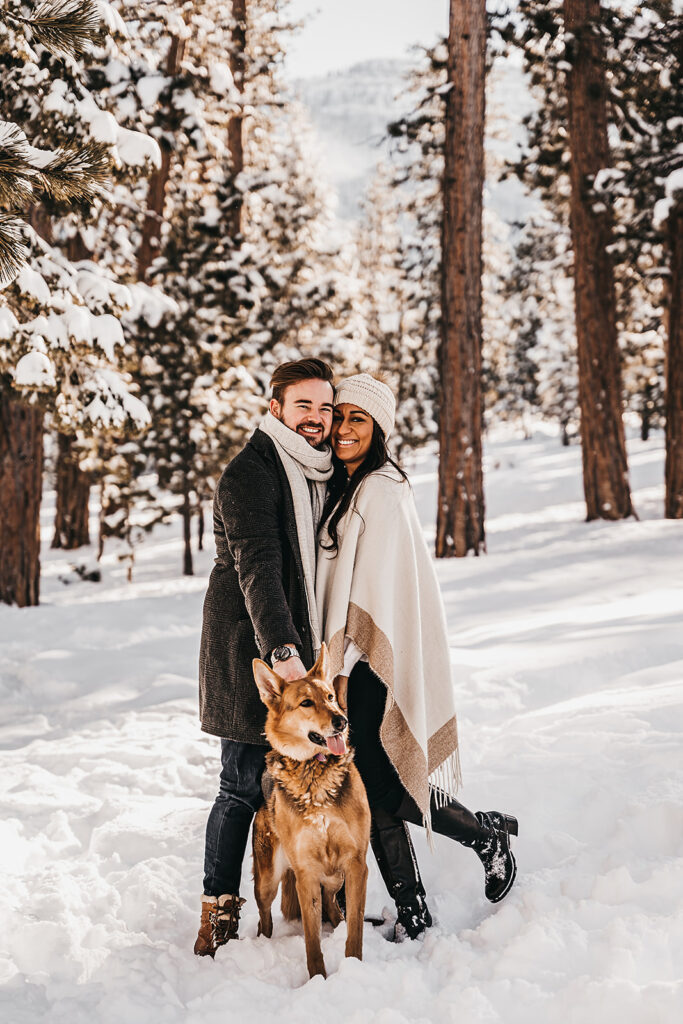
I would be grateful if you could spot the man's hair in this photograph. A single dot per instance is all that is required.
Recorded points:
(293, 373)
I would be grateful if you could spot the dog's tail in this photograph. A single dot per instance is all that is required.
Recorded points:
(291, 911)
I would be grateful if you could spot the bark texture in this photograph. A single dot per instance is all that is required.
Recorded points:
(460, 516)
(605, 469)
(156, 195)
(674, 373)
(73, 498)
(236, 124)
(21, 469)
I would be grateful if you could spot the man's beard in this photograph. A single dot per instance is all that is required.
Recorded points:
(297, 430)
(313, 443)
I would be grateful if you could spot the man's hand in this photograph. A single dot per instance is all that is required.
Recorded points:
(289, 670)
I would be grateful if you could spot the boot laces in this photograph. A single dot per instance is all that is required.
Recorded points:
(225, 920)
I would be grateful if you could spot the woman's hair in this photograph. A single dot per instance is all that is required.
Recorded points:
(294, 373)
(341, 488)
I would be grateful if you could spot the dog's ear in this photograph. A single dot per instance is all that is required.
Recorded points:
(322, 666)
(269, 683)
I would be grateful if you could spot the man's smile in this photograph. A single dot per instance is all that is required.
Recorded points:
(310, 430)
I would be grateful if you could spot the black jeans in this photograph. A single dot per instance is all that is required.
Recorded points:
(227, 830)
(366, 698)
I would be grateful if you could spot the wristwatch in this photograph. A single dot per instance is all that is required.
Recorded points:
(283, 653)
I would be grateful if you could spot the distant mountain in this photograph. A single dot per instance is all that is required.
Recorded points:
(350, 110)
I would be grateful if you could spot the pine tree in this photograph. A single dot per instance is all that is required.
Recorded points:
(251, 290)
(58, 320)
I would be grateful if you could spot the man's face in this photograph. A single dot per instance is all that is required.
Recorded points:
(306, 408)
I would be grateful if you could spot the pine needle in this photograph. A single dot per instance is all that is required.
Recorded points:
(13, 249)
(15, 173)
(66, 28)
(77, 173)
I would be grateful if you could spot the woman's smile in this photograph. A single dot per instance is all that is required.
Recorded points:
(351, 435)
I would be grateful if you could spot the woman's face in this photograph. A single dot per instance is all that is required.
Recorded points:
(351, 435)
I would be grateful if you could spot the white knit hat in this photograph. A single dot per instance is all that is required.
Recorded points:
(372, 396)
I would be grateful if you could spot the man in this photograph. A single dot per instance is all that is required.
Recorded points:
(261, 603)
(267, 508)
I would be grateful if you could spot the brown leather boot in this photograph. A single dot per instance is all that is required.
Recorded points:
(219, 924)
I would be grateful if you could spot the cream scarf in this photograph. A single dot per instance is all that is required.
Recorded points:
(381, 591)
(303, 463)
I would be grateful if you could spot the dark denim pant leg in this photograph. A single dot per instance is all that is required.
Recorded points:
(227, 829)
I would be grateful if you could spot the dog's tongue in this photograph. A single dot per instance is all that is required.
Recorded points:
(335, 744)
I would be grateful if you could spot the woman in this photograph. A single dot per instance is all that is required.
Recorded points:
(384, 623)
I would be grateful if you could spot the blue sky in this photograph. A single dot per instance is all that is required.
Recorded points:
(343, 32)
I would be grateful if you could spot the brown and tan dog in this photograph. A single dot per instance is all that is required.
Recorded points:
(313, 831)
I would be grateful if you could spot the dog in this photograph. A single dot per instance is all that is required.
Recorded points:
(313, 831)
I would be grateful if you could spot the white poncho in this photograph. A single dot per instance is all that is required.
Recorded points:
(381, 590)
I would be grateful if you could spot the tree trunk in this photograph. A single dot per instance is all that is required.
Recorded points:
(674, 372)
(645, 416)
(605, 468)
(460, 516)
(188, 569)
(41, 222)
(200, 525)
(235, 127)
(565, 435)
(73, 498)
(21, 479)
(156, 194)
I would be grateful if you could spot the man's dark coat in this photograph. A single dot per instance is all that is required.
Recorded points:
(256, 599)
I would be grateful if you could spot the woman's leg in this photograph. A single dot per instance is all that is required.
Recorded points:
(486, 832)
(389, 836)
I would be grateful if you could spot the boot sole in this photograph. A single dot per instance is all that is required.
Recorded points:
(506, 890)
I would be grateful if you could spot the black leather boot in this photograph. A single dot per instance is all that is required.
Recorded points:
(487, 832)
(393, 850)
(493, 850)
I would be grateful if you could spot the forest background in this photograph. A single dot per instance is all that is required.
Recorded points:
(168, 237)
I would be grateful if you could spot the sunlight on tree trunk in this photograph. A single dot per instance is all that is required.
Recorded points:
(460, 515)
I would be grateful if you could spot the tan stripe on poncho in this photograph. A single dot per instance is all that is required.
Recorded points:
(381, 590)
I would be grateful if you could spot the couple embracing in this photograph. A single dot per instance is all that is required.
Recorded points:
(317, 539)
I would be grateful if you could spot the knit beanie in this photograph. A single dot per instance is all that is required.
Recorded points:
(371, 396)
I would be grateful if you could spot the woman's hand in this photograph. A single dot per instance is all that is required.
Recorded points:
(341, 684)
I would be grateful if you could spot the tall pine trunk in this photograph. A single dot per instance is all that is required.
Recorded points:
(674, 372)
(200, 523)
(21, 479)
(73, 498)
(156, 195)
(460, 516)
(236, 124)
(188, 568)
(605, 468)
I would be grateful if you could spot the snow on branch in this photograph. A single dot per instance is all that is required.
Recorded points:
(64, 27)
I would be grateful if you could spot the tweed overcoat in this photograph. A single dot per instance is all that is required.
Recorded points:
(256, 599)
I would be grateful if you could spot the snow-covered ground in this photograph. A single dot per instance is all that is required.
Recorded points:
(567, 648)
